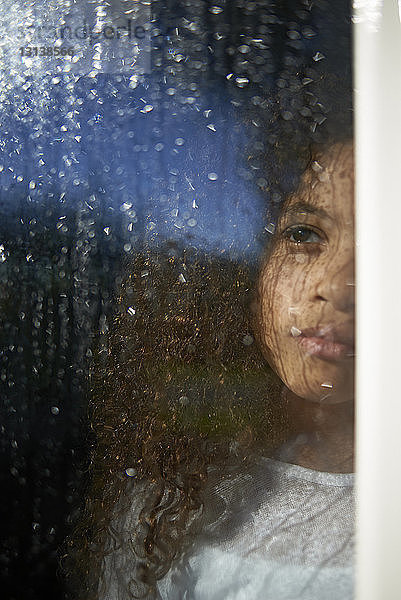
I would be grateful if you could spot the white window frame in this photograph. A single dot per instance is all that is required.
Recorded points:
(377, 56)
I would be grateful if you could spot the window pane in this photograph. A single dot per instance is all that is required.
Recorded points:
(177, 254)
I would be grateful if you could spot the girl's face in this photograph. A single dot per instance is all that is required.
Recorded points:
(306, 285)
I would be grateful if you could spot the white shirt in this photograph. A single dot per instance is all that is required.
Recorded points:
(276, 532)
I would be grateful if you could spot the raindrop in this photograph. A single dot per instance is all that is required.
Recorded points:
(247, 340)
(324, 177)
(213, 176)
(55, 410)
(308, 32)
(316, 167)
(241, 81)
(295, 332)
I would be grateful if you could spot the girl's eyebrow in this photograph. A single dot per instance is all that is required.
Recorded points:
(305, 207)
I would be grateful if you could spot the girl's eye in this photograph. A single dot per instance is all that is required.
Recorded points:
(300, 234)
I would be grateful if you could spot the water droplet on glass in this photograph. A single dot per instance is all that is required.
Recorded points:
(241, 81)
(215, 10)
(323, 176)
(270, 228)
(247, 340)
(295, 332)
(213, 176)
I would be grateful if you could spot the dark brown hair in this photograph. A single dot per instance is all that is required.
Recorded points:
(180, 387)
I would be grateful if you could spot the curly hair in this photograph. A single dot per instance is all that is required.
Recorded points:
(182, 386)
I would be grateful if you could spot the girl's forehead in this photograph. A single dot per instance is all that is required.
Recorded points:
(327, 187)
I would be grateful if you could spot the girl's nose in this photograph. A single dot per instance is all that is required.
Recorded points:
(337, 283)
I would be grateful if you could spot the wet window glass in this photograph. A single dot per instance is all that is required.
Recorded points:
(177, 299)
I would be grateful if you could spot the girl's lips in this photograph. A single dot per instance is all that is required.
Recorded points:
(327, 342)
(326, 349)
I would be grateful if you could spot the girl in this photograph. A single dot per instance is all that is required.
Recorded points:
(215, 476)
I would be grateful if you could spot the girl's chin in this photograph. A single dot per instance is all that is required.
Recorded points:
(331, 386)
(326, 392)
(324, 395)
